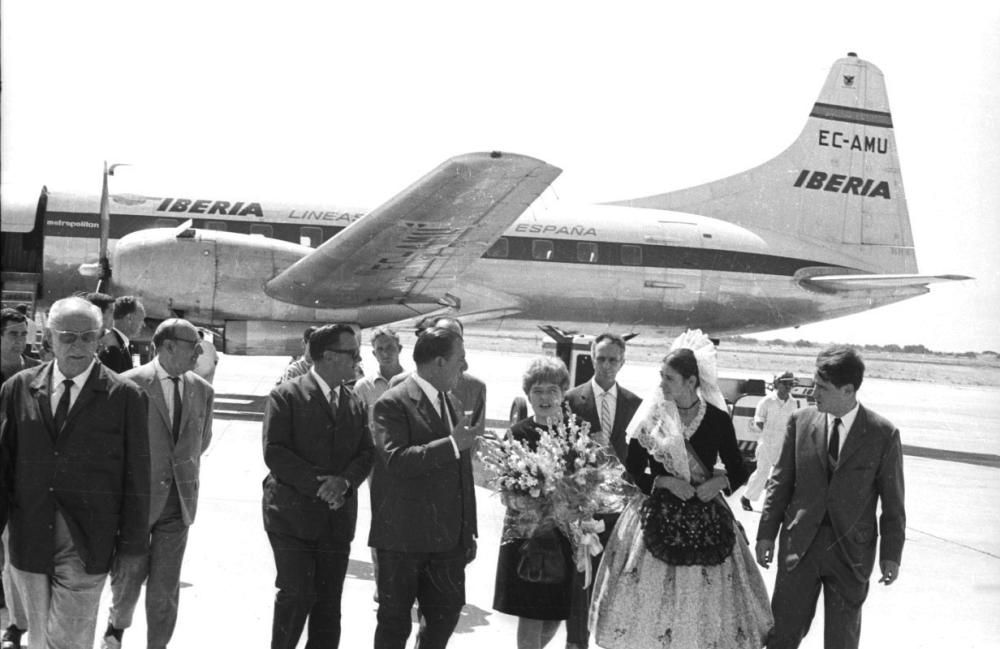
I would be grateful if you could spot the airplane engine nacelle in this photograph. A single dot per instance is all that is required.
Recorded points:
(208, 276)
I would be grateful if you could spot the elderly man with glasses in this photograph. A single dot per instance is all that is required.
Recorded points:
(74, 461)
(318, 450)
(180, 430)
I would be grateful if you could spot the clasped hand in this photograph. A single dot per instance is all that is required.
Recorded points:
(332, 490)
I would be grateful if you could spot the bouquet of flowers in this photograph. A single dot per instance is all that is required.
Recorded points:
(560, 483)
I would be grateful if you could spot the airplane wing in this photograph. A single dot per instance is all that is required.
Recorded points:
(428, 233)
(862, 282)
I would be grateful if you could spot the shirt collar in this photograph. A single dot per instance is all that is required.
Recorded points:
(599, 391)
(124, 338)
(323, 385)
(58, 377)
(847, 419)
(161, 373)
(429, 390)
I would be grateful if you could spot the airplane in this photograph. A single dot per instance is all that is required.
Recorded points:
(820, 231)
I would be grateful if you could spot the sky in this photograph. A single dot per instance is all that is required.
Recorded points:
(351, 102)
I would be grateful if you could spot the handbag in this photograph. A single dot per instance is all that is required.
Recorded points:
(541, 559)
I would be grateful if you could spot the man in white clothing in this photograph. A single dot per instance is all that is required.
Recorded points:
(771, 418)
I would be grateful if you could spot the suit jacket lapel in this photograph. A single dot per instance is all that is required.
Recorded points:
(154, 389)
(316, 397)
(43, 397)
(819, 438)
(589, 409)
(855, 437)
(426, 409)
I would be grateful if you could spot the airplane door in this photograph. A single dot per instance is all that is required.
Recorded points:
(673, 274)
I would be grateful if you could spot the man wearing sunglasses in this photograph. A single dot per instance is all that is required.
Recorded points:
(180, 430)
(318, 450)
(74, 456)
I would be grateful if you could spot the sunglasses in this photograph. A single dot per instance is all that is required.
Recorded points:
(70, 337)
(185, 340)
(355, 353)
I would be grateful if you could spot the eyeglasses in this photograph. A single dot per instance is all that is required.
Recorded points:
(355, 353)
(70, 337)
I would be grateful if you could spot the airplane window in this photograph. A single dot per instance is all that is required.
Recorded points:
(541, 250)
(586, 252)
(166, 223)
(501, 248)
(311, 237)
(216, 225)
(261, 230)
(632, 255)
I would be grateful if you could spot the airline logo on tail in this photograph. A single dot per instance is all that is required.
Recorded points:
(843, 184)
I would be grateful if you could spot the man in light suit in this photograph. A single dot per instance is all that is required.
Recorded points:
(318, 450)
(180, 430)
(423, 499)
(74, 467)
(838, 461)
(608, 407)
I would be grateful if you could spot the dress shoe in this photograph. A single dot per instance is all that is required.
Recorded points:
(11, 638)
(745, 503)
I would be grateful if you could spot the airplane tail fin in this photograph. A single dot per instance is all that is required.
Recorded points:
(838, 185)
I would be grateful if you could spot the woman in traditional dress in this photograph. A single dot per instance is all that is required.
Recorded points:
(540, 606)
(677, 571)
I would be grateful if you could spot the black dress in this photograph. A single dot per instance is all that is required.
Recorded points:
(513, 595)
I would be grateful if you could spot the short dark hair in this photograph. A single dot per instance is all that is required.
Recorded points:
(325, 337)
(684, 363)
(102, 301)
(436, 342)
(841, 365)
(307, 334)
(11, 316)
(22, 308)
(126, 305)
(545, 369)
(610, 337)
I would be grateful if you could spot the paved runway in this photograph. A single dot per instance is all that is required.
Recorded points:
(948, 593)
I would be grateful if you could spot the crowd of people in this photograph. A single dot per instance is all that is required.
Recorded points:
(100, 472)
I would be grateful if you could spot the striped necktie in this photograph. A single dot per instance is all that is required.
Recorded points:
(606, 422)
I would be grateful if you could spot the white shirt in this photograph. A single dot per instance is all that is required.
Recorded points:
(846, 421)
(326, 388)
(167, 386)
(57, 387)
(432, 394)
(599, 393)
(774, 413)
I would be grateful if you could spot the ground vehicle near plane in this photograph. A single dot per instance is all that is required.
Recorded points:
(820, 231)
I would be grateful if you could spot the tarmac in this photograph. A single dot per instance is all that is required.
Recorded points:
(948, 592)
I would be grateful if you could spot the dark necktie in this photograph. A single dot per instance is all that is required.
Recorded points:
(177, 408)
(445, 411)
(834, 452)
(62, 408)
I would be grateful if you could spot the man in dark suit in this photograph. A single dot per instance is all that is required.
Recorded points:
(423, 498)
(608, 407)
(319, 450)
(113, 350)
(74, 456)
(838, 462)
(180, 430)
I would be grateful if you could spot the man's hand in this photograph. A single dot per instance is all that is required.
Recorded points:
(332, 490)
(676, 486)
(465, 437)
(890, 571)
(765, 552)
(470, 552)
(710, 488)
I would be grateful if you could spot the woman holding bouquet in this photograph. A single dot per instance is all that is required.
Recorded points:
(540, 601)
(677, 571)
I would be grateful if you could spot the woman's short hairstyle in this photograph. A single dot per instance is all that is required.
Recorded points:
(545, 369)
(684, 363)
(841, 365)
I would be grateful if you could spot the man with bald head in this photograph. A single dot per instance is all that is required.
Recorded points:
(74, 461)
(180, 429)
